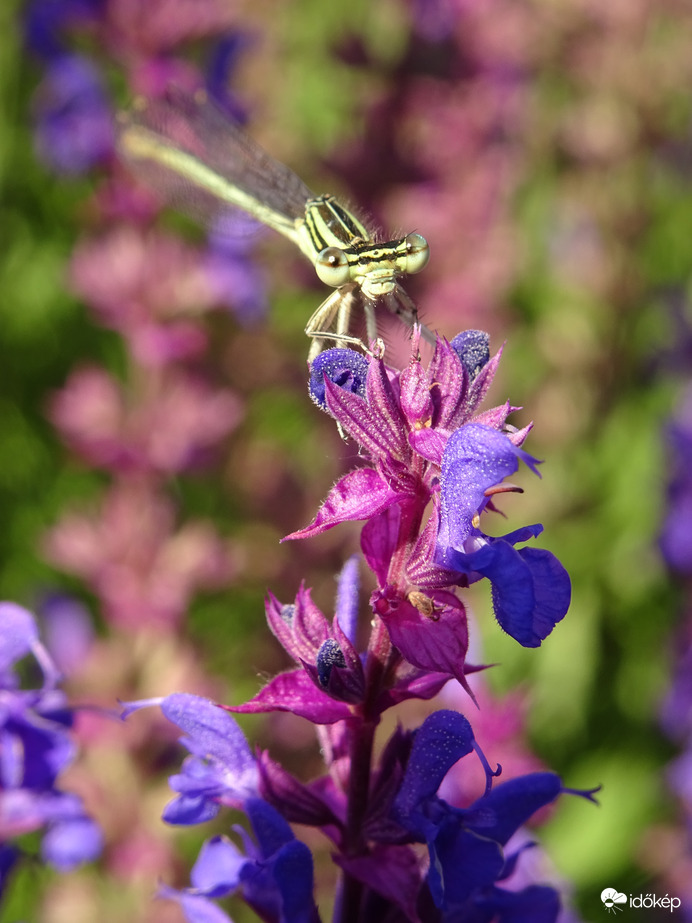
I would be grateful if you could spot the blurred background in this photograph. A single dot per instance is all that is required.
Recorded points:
(157, 440)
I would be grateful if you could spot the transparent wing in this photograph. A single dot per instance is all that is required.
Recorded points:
(204, 164)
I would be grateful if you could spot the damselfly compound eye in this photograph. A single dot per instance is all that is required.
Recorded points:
(332, 267)
(417, 253)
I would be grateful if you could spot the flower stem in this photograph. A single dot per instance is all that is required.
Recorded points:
(363, 727)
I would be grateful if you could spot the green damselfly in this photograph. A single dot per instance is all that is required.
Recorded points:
(205, 164)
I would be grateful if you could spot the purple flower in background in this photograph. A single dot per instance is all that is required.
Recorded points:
(131, 554)
(676, 710)
(8, 858)
(153, 30)
(74, 130)
(169, 432)
(222, 63)
(233, 278)
(45, 20)
(68, 630)
(434, 20)
(676, 534)
(35, 748)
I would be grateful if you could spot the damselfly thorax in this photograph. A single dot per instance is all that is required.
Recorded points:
(205, 164)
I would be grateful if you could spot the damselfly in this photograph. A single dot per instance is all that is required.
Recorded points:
(204, 164)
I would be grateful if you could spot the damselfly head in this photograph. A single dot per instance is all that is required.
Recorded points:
(376, 267)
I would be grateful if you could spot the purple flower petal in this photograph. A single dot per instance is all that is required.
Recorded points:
(69, 631)
(337, 668)
(35, 747)
(353, 668)
(476, 458)
(187, 810)
(46, 19)
(297, 802)
(416, 400)
(479, 387)
(347, 598)
(429, 443)
(499, 814)
(197, 909)
(418, 684)
(74, 128)
(376, 423)
(378, 540)
(461, 863)
(531, 590)
(450, 384)
(293, 876)
(357, 418)
(495, 417)
(345, 368)
(473, 349)
(218, 867)
(441, 741)
(676, 534)
(301, 628)
(390, 419)
(294, 691)
(421, 569)
(235, 280)
(535, 904)
(18, 634)
(221, 69)
(552, 590)
(283, 882)
(523, 534)
(359, 494)
(34, 752)
(212, 732)
(271, 830)
(8, 858)
(437, 643)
